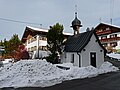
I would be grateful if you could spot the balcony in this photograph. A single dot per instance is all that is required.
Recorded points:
(103, 32)
(110, 39)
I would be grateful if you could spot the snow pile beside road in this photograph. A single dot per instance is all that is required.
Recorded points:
(6, 61)
(107, 67)
(40, 73)
(84, 72)
(30, 73)
(113, 55)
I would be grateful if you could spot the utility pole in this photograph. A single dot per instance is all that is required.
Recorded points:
(111, 11)
(38, 46)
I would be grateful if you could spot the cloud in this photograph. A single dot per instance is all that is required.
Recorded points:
(49, 12)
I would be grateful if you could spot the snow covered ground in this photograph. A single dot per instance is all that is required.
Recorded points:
(40, 73)
(113, 55)
(6, 61)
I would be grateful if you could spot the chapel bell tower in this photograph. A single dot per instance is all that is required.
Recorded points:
(76, 24)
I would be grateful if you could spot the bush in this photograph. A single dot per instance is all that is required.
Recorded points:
(118, 51)
(52, 58)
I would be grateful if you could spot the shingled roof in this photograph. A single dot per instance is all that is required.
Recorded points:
(76, 43)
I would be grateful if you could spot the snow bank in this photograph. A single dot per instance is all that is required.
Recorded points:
(84, 72)
(113, 55)
(107, 67)
(40, 73)
(29, 73)
(6, 61)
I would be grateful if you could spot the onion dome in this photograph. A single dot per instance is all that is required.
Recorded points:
(76, 21)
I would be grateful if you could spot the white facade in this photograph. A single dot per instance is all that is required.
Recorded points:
(83, 58)
(37, 44)
(118, 45)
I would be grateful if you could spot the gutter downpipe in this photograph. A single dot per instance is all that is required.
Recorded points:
(78, 53)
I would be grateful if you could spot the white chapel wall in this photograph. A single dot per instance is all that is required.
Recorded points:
(92, 46)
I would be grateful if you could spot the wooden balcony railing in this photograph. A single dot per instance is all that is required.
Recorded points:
(103, 32)
(110, 39)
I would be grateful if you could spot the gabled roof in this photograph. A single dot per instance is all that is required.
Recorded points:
(76, 43)
(34, 31)
(38, 29)
(106, 24)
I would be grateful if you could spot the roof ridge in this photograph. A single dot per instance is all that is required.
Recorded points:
(108, 25)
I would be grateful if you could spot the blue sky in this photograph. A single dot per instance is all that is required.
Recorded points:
(49, 12)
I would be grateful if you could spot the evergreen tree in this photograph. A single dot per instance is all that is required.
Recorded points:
(11, 46)
(1, 43)
(14, 42)
(5, 44)
(55, 39)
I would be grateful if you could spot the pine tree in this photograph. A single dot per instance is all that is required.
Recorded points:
(14, 42)
(11, 46)
(55, 39)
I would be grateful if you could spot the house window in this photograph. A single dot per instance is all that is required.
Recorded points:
(108, 28)
(29, 41)
(44, 48)
(113, 44)
(113, 36)
(40, 38)
(105, 44)
(40, 47)
(72, 58)
(25, 43)
(104, 29)
(79, 60)
(104, 37)
(99, 38)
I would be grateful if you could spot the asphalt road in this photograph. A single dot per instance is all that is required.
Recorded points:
(109, 81)
(115, 62)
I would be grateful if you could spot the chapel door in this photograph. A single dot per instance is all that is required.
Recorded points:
(93, 58)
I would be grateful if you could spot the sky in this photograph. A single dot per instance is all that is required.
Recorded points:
(50, 12)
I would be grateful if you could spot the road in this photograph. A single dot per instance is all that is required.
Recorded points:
(109, 81)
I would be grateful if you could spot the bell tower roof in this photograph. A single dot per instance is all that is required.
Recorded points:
(76, 21)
